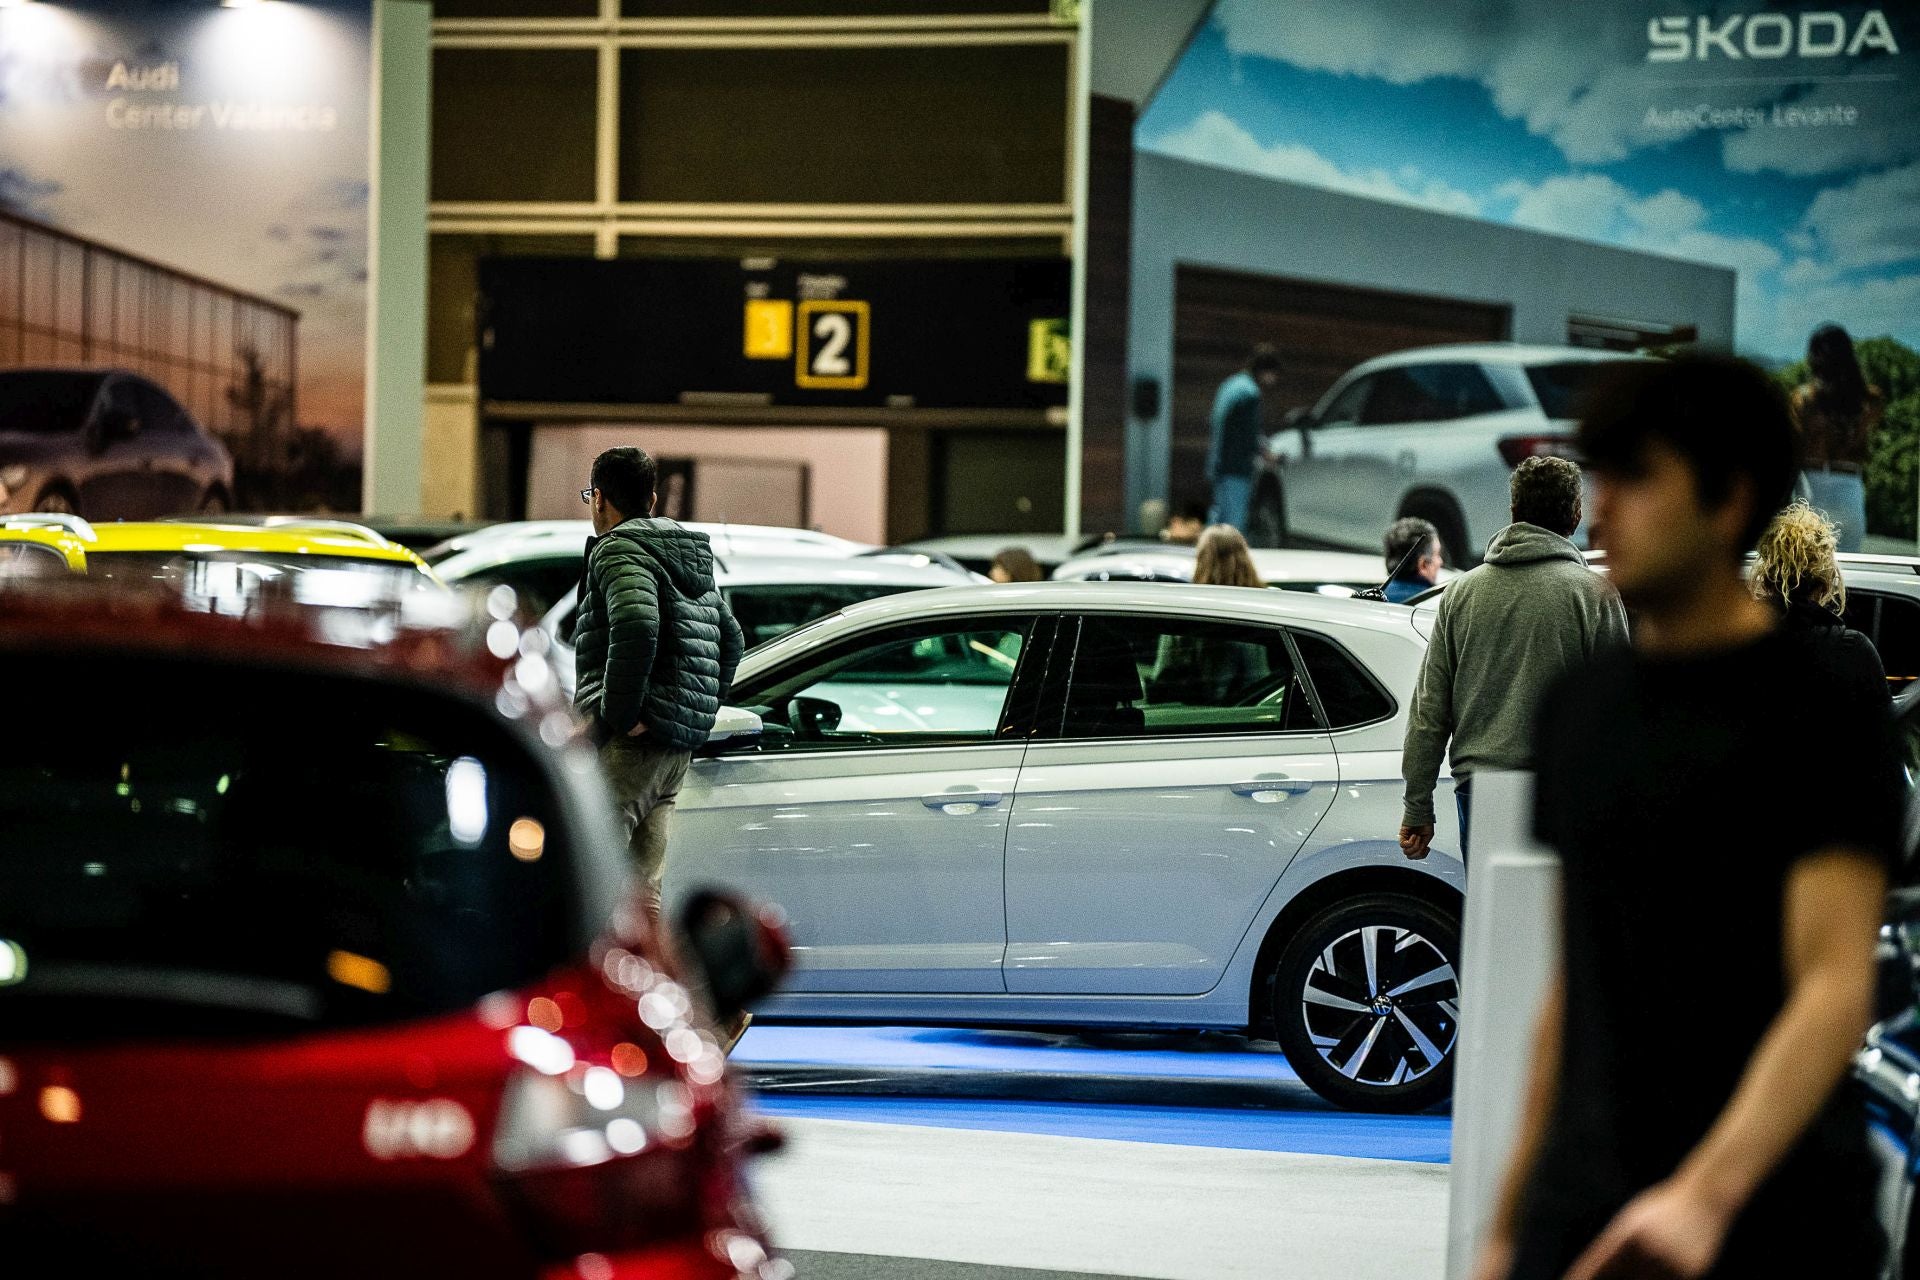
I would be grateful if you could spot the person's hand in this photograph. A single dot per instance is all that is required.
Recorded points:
(1668, 1231)
(1495, 1261)
(1416, 841)
(637, 729)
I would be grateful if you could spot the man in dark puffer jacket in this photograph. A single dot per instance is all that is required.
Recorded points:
(655, 649)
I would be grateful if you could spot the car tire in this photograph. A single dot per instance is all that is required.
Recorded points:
(1372, 1043)
(1267, 515)
(1444, 515)
(58, 500)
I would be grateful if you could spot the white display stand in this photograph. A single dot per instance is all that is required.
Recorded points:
(1511, 940)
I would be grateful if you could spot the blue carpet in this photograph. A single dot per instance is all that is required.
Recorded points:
(1425, 1139)
(1018, 1052)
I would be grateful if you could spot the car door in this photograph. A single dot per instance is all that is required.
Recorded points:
(1314, 480)
(1177, 769)
(1892, 622)
(875, 811)
(113, 485)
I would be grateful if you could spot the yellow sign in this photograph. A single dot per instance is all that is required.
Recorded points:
(831, 353)
(769, 328)
(1049, 351)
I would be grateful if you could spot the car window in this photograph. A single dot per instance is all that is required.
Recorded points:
(1349, 695)
(1430, 393)
(1347, 405)
(1560, 386)
(155, 409)
(537, 584)
(1892, 622)
(46, 401)
(199, 872)
(30, 560)
(1160, 677)
(924, 687)
(769, 612)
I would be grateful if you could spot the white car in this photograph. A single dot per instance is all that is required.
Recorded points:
(542, 559)
(1327, 573)
(1434, 432)
(772, 595)
(1096, 804)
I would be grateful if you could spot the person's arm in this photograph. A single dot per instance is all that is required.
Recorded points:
(733, 643)
(632, 599)
(1832, 910)
(1495, 1259)
(1429, 728)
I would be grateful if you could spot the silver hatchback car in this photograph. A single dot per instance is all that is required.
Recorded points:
(1139, 805)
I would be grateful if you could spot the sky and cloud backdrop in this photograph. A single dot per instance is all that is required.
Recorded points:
(1554, 117)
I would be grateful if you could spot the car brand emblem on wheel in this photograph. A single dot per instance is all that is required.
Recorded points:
(1382, 1005)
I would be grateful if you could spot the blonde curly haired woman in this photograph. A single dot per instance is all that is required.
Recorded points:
(1211, 670)
(1798, 573)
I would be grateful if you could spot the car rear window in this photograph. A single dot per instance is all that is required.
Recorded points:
(221, 849)
(1560, 386)
(769, 612)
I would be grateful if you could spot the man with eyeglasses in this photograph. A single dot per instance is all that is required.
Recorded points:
(655, 650)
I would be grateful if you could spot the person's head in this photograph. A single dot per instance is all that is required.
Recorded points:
(1222, 559)
(1413, 551)
(1264, 364)
(1185, 524)
(1546, 493)
(1836, 369)
(1690, 459)
(623, 484)
(1796, 563)
(1015, 564)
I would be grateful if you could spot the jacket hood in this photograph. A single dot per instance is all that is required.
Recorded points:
(1528, 544)
(684, 555)
(1802, 615)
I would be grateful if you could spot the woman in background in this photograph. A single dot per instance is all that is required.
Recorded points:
(1015, 564)
(1797, 574)
(1203, 670)
(1837, 412)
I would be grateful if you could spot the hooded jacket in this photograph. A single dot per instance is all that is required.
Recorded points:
(1505, 634)
(654, 643)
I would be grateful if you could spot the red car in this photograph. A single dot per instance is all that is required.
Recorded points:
(318, 958)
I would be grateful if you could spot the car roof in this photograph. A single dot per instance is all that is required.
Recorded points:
(212, 538)
(1249, 603)
(1046, 548)
(537, 535)
(904, 570)
(1496, 353)
(1274, 563)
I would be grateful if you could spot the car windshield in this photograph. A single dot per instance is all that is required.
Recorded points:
(245, 850)
(46, 402)
(246, 577)
(1560, 386)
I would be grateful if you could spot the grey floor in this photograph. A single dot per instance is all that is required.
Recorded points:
(858, 1201)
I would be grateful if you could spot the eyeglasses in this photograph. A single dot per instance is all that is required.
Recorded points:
(586, 496)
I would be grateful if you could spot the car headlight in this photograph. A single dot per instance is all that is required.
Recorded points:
(12, 478)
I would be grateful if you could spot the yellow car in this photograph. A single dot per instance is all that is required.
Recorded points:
(211, 556)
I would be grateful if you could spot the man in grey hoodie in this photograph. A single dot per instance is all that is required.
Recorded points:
(1505, 634)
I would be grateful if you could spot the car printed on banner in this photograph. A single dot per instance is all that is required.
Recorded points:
(328, 955)
(316, 561)
(1433, 432)
(106, 444)
(772, 595)
(1114, 805)
(1327, 573)
(542, 559)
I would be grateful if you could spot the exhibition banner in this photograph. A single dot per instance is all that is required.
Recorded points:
(184, 207)
(1780, 143)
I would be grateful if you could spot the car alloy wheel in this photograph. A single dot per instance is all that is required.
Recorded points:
(1382, 1005)
(1366, 1002)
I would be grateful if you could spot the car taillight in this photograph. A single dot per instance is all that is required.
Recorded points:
(1517, 449)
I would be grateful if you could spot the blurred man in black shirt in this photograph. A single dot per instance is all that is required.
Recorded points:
(1725, 809)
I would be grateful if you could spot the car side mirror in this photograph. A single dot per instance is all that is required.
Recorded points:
(737, 954)
(734, 729)
(814, 717)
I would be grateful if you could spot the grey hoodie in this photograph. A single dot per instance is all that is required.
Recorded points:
(1506, 633)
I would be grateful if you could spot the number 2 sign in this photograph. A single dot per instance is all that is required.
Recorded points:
(831, 353)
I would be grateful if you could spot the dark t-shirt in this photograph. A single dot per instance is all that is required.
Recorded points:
(1679, 793)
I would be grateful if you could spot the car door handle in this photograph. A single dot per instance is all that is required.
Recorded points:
(1268, 790)
(961, 803)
